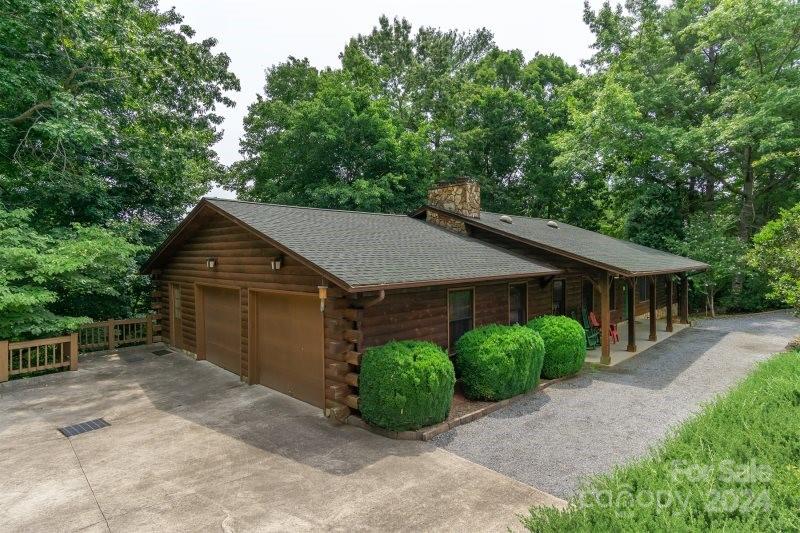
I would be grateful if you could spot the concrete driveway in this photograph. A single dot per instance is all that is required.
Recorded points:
(554, 439)
(190, 448)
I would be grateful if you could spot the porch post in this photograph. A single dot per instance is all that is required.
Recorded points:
(631, 314)
(669, 302)
(653, 337)
(605, 320)
(683, 313)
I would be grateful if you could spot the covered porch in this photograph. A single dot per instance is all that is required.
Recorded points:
(619, 351)
(637, 333)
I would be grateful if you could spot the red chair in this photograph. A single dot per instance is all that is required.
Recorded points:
(613, 334)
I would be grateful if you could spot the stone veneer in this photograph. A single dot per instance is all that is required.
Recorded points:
(462, 197)
(447, 222)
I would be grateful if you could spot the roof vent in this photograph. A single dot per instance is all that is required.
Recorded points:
(506, 219)
(552, 224)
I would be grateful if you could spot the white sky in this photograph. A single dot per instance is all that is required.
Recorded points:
(257, 34)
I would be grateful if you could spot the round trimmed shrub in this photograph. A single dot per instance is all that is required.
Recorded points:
(564, 345)
(405, 385)
(495, 362)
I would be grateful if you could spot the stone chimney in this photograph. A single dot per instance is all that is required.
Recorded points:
(462, 196)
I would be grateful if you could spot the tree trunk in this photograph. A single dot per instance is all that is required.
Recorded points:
(711, 303)
(709, 193)
(747, 211)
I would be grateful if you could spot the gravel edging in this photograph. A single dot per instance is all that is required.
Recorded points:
(609, 416)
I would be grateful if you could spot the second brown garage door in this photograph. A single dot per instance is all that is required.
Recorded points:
(222, 327)
(289, 345)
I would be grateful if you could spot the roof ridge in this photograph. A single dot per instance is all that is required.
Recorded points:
(537, 218)
(234, 200)
(619, 239)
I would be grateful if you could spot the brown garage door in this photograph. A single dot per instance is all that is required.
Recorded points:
(222, 327)
(289, 340)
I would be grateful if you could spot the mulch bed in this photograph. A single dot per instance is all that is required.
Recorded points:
(462, 411)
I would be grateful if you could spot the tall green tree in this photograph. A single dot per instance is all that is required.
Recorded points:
(46, 277)
(107, 121)
(108, 111)
(404, 110)
(777, 253)
(319, 139)
(708, 238)
(699, 97)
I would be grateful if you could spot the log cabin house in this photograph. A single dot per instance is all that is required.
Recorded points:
(289, 297)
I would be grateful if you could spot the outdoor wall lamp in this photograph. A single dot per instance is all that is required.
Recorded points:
(211, 263)
(276, 263)
(323, 293)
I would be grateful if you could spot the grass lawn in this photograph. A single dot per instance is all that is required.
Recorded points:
(733, 467)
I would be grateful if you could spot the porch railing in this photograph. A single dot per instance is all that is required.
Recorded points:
(27, 357)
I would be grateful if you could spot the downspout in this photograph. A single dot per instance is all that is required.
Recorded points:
(378, 299)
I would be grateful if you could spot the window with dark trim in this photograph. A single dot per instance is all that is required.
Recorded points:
(644, 289)
(612, 295)
(559, 297)
(517, 303)
(460, 314)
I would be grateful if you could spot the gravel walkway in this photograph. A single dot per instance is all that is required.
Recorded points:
(586, 425)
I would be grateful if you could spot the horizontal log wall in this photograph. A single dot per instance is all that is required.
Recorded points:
(243, 262)
(408, 314)
(491, 304)
(421, 314)
(540, 297)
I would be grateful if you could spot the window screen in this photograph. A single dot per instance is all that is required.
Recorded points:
(517, 304)
(559, 297)
(644, 289)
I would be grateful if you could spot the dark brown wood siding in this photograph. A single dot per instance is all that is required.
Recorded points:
(491, 304)
(243, 262)
(540, 298)
(407, 314)
(422, 313)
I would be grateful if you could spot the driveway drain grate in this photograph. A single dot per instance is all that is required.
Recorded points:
(83, 427)
(161, 352)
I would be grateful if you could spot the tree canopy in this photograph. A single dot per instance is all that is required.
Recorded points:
(680, 132)
(107, 125)
(46, 277)
(108, 111)
(777, 253)
(404, 110)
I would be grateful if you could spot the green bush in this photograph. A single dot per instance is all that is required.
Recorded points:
(496, 362)
(564, 345)
(733, 467)
(405, 385)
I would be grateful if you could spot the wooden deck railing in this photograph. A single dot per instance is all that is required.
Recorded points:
(115, 333)
(27, 357)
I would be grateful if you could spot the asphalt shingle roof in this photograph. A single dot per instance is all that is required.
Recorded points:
(371, 249)
(594, 247)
